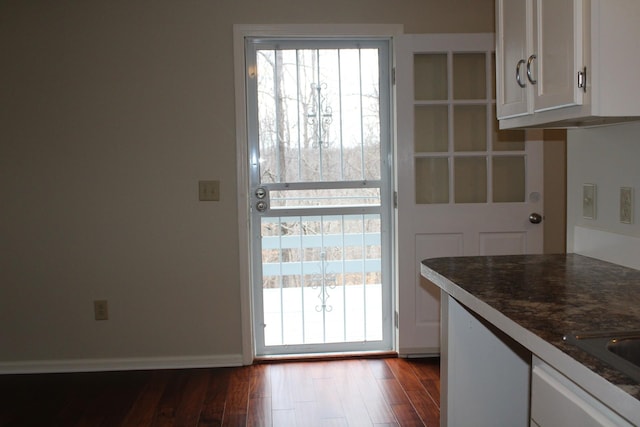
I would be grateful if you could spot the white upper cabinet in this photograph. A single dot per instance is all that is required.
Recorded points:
(566, 63)
(513, 49)
(557, 54)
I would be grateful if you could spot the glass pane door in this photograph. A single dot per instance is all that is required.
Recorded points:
(464, 187)
(320, 188)
(460, 155)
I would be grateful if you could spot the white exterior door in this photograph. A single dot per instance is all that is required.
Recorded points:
(320, 194)
(464, 188)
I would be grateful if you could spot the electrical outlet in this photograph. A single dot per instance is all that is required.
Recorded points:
(589, 201)
(101, 310)
(209, 191)
(626, 205)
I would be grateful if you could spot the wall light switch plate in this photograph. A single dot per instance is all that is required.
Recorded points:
(209, 191)
(589, 201)
(101, 310)
(626, 205)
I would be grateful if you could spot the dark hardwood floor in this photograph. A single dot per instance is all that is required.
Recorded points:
(355, 392)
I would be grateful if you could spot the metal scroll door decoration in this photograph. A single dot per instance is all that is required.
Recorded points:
(320, 117)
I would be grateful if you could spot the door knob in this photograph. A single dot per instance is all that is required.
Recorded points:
(535, 218)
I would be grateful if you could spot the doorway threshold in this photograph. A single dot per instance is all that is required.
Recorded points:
(313, 357)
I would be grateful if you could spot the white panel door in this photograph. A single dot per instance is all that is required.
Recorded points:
(464, 188)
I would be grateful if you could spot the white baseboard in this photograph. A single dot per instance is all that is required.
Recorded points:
(123, 364)
(612, 247)
(409, 352)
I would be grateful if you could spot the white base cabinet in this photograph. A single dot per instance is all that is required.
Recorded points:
(557, 401)
(489, 379)
(567, 63)
(484, 374)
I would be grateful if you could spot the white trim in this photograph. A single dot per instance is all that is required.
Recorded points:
(240, 32)
(122, 364)
(243, 197)
(410, 352)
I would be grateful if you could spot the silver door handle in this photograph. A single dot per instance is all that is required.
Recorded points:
(518, 79)
(529, 62)
(261, 193)
(535, 218)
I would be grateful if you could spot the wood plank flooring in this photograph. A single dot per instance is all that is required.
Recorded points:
(354, 392)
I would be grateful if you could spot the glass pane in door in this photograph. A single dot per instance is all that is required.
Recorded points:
(432, 180)
(318, 119)
(509, 179)
(470, 128)
(430, 76)
(322, 279)
(470, 179)
(469, 76)
(431, 128)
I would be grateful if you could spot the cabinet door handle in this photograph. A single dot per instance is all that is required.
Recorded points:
(518, 79)
(529, 62)
(582, 79)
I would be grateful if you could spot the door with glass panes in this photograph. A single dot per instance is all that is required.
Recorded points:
(464, 187)
(320, 193)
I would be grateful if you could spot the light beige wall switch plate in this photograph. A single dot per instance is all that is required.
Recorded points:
(626, 205)
(589, 201)
(209, 191)
(101, 310)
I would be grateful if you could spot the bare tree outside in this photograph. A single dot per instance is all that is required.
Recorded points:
(319, 121)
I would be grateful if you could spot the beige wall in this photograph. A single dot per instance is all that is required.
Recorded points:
(110, 113)
(555, 190)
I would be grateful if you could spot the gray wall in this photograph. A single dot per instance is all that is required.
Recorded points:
(610, 158)
(110, 113)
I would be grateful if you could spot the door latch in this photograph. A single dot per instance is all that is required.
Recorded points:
(261, 206)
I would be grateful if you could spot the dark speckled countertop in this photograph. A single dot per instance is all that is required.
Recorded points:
(553, 295)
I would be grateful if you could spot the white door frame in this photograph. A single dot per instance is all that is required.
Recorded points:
(240, 32)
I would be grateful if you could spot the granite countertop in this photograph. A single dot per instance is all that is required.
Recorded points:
(553, 295)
